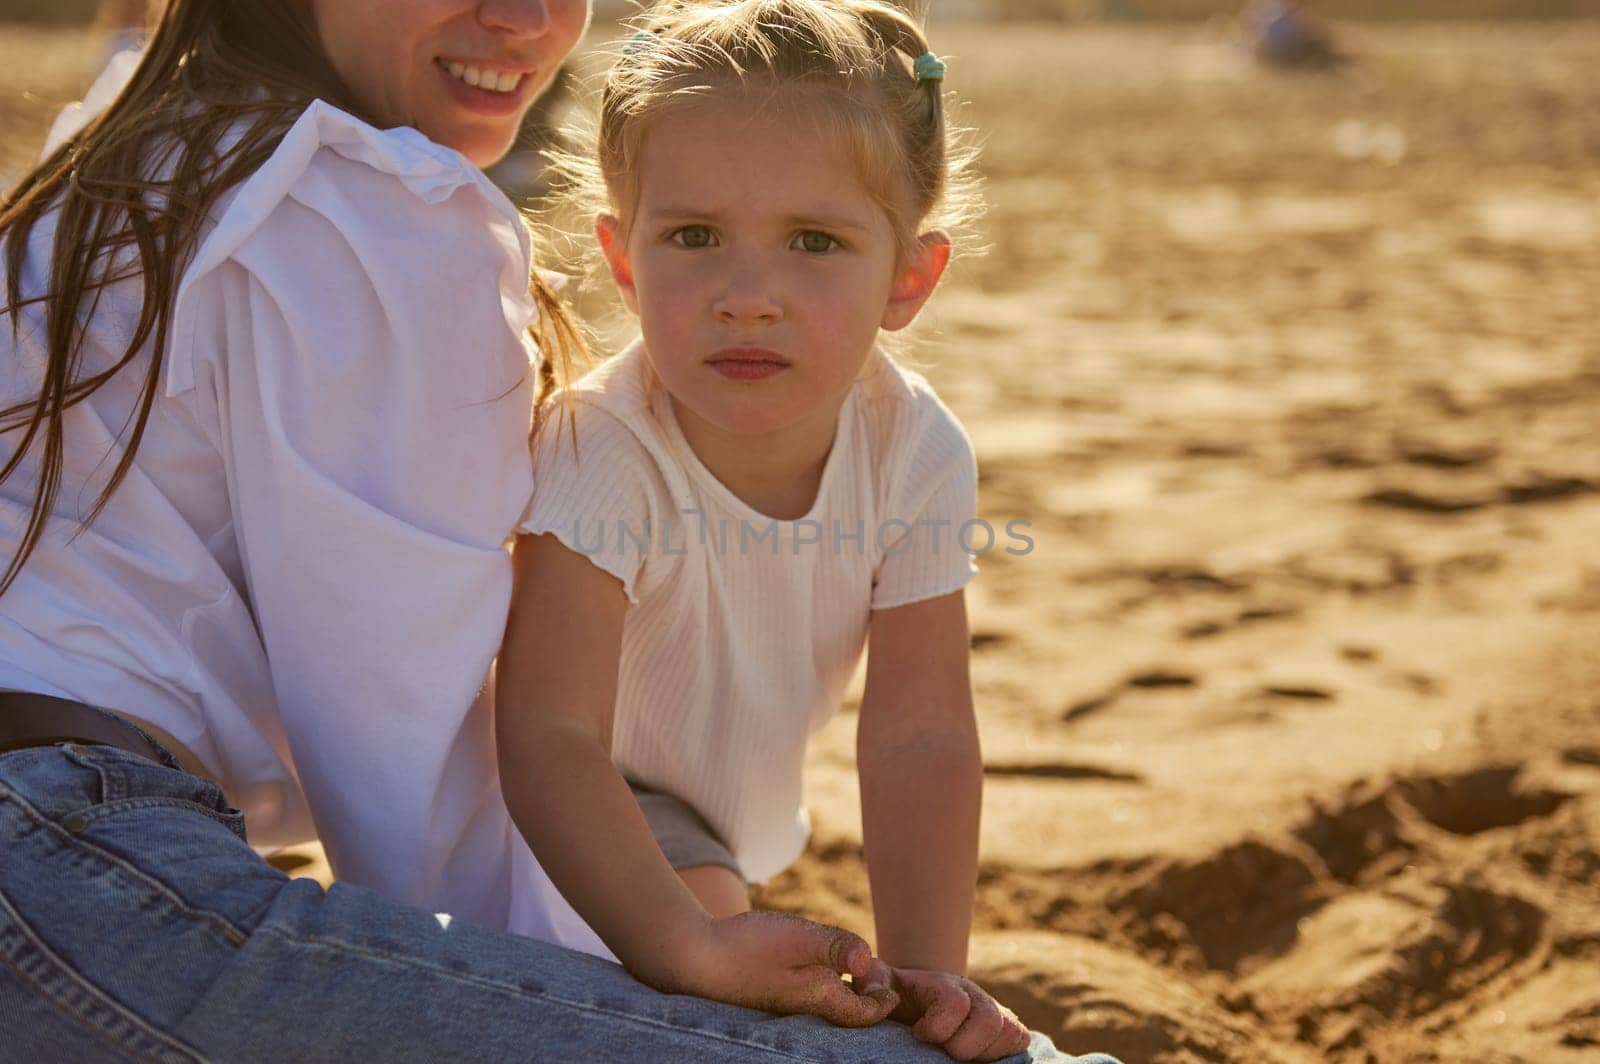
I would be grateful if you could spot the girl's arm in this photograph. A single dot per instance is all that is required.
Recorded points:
(921, 783)
(556, 687)
(556, 693)
(921, 789)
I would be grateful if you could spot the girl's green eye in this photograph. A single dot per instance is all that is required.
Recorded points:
(693, 236)
(816, 243)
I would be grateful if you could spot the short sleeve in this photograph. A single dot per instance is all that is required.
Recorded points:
(930, 530)
(591, 490)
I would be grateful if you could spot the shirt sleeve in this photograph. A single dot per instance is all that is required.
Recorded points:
(373, 405)
(931, 533)
(591, 491)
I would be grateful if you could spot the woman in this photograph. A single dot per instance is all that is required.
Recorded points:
(264, 407)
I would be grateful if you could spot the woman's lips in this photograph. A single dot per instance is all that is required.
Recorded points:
(747, 363)
(483, 101)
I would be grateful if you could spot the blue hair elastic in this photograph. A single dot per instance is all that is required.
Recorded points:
(639, 42)
(928, 67)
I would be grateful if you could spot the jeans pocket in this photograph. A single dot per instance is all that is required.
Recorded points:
(128, 781)
(65, 1012)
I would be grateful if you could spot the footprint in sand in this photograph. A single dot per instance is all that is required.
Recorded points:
(1162, 678)
(1366, 835)
(1400, 954)
(1297, 692)
(1417, 683)
(983, 640)
(1444, 455)
(1428, 502)
(1354, 569)
(1359, 653)
(1218, 912)
(1088, 706)
(1190, 577)
(1374, 828)
(1535, 488)
(1089, 996)
(1541, 488)
(1059, 770)
(1243, 618)
(1471, 803)
(1152, 679)
(1473, 935)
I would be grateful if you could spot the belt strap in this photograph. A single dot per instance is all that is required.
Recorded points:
(28, 719)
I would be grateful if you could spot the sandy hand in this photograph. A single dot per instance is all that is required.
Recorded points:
(949, 1011)
(784, 964)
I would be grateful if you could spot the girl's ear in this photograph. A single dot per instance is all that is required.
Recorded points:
(608, 230)
(915, 281)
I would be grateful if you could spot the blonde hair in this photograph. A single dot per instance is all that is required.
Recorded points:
(854, 57)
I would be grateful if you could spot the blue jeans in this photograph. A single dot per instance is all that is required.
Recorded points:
(135, 923)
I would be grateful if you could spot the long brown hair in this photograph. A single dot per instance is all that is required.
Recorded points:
(212, 68)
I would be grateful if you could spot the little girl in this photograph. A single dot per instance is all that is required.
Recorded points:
(745, 494)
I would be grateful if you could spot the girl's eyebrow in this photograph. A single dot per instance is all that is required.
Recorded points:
(825, 221)
(672, 212)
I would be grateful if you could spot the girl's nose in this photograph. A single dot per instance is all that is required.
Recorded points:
(525, 17)
(747, 299)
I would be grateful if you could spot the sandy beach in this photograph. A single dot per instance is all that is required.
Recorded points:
(1291, 716)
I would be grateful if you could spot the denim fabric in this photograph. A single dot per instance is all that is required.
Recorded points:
(137, 924)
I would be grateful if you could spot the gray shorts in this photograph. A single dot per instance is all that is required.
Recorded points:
(683, 835)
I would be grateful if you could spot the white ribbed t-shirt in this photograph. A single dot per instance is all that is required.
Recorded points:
(743, 630)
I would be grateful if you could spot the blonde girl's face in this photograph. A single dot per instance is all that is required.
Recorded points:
(463, 72)
(759, 265)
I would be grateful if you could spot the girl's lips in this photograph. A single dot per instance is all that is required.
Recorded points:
(739, 370)
(481, 101)
(747, 363)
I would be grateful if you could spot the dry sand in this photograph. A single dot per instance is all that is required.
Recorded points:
(1292, 716)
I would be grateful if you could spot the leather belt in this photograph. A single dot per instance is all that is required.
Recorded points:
(28, 719)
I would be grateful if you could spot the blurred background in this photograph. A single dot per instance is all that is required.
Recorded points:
(1284, 339)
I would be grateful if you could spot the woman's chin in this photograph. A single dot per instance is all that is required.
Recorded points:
(484, 149)
(482, 144)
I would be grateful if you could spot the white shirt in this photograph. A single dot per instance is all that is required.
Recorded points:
(742, 631)
(303, 577)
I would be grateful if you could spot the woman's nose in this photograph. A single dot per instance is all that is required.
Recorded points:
(525, 17)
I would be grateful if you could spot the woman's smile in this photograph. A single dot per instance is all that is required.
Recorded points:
(484, 90)
(463, 72)
(483, 77)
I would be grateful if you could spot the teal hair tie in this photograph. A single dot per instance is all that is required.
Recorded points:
(639, 42)
(928, 67)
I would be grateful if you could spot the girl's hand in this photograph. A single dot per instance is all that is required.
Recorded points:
(784, 964)
(949, 1011)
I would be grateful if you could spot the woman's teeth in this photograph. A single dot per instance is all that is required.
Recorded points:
(488, 80)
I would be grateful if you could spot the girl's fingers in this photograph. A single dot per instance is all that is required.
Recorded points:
(983, 1025)
(843, 1007)
(944, 1008)
(878, 977)
(1014, 1038)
